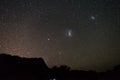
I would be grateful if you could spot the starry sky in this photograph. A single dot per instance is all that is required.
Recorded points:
(83, 34)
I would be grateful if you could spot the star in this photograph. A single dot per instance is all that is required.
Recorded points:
(69, 33)
(92, 17)
(48, 39)
(53, 79)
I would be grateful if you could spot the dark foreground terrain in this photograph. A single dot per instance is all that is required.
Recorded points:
(16, 68)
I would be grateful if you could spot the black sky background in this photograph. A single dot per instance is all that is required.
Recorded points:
(83, 34)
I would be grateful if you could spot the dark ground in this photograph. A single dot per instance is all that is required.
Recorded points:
(16, 68)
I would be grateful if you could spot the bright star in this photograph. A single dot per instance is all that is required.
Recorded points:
(93, 17)
(48, 39)
(69, 33)
(53, 79)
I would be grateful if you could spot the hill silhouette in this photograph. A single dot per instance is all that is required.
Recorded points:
(17, 68)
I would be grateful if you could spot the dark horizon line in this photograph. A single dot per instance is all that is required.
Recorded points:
(6, 54)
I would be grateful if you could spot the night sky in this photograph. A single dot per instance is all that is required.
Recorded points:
(83, 34)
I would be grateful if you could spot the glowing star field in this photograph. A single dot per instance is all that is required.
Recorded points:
(83, 34)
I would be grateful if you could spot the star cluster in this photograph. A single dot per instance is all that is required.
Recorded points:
(83, 34)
